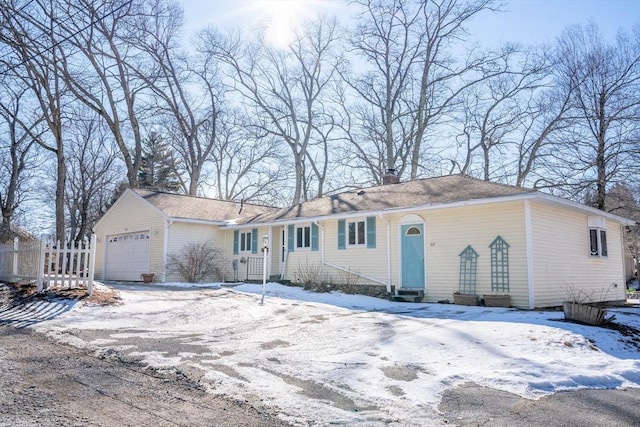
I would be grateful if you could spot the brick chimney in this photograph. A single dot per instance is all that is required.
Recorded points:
(390, 177)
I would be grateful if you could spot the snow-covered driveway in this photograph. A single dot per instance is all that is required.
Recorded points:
(346, 359)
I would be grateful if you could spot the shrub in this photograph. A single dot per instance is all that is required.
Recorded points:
(350, 278)
(580, 296)
(197, 262)
(312, 276)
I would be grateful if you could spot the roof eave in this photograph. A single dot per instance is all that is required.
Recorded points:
(196, 221)
(434, 206)
(119, 200)
(376, 212)
(583, 208)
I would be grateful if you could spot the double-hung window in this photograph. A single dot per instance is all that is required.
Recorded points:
(597, 236)
(357, 232)
(245, 241)
(303, 237)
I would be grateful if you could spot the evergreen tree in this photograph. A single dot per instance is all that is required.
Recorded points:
(158, 169)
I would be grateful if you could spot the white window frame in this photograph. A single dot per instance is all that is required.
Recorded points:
(597, 225)
(356, 233)
(305, 244)
(601, 249)
(244, 240)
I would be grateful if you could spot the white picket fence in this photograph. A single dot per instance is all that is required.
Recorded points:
(49, 264)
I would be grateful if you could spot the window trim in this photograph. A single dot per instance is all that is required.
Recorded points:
(356, 233)
(244, 239)
(306, 234)
(601, 250)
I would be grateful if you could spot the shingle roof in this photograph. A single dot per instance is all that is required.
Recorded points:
(200, 208)
(429, 191)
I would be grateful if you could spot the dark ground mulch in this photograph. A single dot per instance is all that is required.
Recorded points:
(12, 294)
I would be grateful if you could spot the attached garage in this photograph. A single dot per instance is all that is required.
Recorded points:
(127, 256)
(143, 228)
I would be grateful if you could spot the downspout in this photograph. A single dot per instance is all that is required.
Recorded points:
(388, 252)
(338, 267)
(165, 245)
(528, 236)
(624, 262)
(226, 264)
(270, 252)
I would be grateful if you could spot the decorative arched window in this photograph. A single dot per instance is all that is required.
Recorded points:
(413, 231)
(468, 270)
(499, 265)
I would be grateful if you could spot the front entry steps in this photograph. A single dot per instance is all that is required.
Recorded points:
(408, 295)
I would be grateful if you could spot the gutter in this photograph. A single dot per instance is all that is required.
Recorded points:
(198, 221)
(533, 195)
(586, 209)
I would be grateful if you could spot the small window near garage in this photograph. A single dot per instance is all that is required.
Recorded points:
(245, 242)
(357, 232)
(597, 236)
(303, 237)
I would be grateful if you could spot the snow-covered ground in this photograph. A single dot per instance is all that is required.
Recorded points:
(333, 357)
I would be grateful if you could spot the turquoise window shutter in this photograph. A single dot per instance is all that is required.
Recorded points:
(371, 232)
(236, 237)
(291, 237)
(254, 241)
(314, 237)
(342, 241)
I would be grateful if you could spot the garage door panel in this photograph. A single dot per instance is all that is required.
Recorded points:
(127, 256)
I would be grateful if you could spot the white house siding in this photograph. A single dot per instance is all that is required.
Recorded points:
(449, 231)
(131, 214)
(275, 250)
(562, 261)
(344, 265)
(303, 259)
(370, 262)
(226, 242)
(183, 233)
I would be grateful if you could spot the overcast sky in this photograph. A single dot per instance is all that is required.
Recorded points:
(526, 21)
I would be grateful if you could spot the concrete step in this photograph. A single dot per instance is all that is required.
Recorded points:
(408, 295)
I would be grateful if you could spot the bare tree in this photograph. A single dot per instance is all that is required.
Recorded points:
(18, 160)
(624, 200)
(496, 107)
(536, 143)
(412, 81)
(36, 49)
(102, 72)
(601, 146)
(188, 110)
(286, 91)
(93, 172)
(245, 166)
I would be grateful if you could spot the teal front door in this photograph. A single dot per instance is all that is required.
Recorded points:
(413, 256)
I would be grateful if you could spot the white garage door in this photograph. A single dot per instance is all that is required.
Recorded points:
(127, 256)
